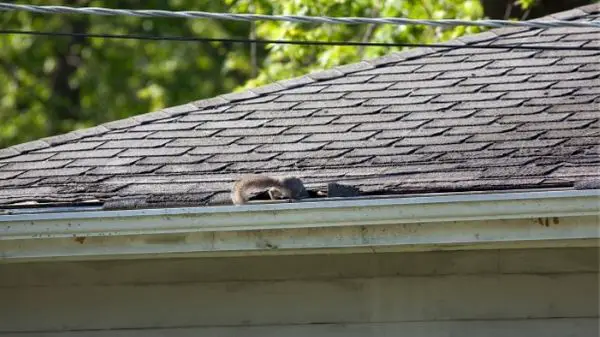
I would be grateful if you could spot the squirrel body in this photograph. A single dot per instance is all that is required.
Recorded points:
(278, 188)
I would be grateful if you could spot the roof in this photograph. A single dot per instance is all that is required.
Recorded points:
(425, 120)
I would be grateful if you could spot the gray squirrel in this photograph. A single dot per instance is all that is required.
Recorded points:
(278, 188)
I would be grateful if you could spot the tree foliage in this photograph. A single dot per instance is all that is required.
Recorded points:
(54, 85)
(284, 61)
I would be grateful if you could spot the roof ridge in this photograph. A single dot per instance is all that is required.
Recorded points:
(317, 76)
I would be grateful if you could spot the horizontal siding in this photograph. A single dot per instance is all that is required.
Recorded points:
(166, 271)
(361, 300)
(539, 292)
(530, 328)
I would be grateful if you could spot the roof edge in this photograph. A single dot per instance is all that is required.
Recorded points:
(323, 75)
(494, 220)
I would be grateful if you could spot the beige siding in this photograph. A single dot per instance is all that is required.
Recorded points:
(493, 293)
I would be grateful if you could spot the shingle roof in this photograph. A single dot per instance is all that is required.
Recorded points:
(424, 120)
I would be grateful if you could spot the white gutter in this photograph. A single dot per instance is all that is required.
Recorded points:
(460, 221)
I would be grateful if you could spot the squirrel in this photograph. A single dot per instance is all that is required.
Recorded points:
(278, 188)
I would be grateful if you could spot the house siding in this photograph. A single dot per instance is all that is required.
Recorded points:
(538, 292)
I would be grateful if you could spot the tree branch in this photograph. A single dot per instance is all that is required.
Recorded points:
(370, 29)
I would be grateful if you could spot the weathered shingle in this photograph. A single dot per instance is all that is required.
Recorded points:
(424, 120)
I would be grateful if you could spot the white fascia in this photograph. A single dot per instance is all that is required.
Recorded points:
(442, 222)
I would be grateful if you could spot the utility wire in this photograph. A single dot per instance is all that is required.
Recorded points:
(294, 42)
(153, 13)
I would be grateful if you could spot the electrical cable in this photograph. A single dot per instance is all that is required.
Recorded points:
(152, 13)
(291, 42)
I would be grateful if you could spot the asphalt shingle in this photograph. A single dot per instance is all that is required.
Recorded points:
(424, 120)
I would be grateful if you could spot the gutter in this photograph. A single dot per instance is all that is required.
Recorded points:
(459, 221)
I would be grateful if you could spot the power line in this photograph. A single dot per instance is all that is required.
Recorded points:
(293, 42)
(153, 13)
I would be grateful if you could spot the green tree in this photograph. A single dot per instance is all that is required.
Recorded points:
(54, 85)
(284, 61)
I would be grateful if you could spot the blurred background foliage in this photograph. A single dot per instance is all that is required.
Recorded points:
(52, 85)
